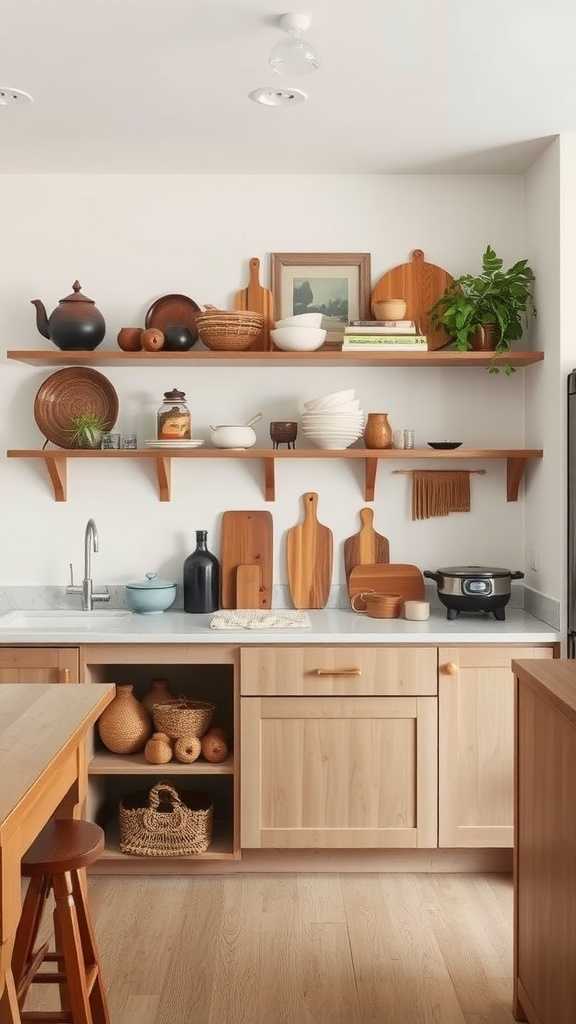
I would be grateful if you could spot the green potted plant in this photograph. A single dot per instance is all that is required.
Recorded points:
(86, 430)
(487, 312)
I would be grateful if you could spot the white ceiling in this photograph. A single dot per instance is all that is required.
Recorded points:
(161, 85)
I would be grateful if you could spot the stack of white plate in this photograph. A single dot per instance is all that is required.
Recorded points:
(174, 444)
(334, 421)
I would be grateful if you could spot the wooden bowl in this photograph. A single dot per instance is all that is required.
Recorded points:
(389, 309)
(229, 332)
(68, 393)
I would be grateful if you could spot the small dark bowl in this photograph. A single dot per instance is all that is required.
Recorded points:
(283, 431)
(178, 338)
(446, 446)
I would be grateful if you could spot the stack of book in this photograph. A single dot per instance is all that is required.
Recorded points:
(383, 336)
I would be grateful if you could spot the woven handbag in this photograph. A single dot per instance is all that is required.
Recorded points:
(168, 826)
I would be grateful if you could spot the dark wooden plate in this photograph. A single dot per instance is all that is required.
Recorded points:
(174, 309)
(66, 394)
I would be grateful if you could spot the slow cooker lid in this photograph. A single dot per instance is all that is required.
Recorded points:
(474, 570)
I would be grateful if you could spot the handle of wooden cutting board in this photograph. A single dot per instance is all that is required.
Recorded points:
(367, 517)
(310, 500)
(254, 272)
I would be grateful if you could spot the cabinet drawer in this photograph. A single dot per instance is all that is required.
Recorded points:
(339, 671)
(39, 665)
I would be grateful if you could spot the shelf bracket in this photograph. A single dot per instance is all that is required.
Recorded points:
(514, 472)
(269, 479)
(164, 474)
(57, 466)
(370, 469)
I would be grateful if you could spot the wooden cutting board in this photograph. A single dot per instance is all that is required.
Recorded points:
(309, 558)
(258, 300)
(420, 284)
(366, 546)
(248, 582)
(394, 578)
(246, 539)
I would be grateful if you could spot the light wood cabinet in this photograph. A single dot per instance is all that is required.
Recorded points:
(339, 671)
(338, 772)
(476, 744)
(39, 665)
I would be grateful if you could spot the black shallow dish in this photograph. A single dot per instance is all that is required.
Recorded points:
(446, 446)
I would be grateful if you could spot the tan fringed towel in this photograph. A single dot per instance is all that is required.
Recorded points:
(439, 492)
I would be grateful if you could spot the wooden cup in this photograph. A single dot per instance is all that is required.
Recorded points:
(377, 606)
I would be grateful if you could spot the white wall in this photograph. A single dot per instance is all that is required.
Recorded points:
(130, 239)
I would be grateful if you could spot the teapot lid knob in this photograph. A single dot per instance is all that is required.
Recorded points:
(76, 295)
(76, 286)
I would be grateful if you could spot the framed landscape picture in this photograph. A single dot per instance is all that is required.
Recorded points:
(336, 284)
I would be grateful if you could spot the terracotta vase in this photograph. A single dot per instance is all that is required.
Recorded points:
(125, 725)
(378, 432)
(159, 693)
(158, 750)
(485, 338)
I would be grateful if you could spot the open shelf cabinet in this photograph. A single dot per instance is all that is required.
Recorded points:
(204, 672)
(56, 462)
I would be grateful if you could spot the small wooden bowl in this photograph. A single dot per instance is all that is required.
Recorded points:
(389, 309)
(283, 431)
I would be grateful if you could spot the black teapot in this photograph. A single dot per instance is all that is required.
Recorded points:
(75, 324)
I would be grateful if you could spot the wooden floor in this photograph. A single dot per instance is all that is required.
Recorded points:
(306, 949)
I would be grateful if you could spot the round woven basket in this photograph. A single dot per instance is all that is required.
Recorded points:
(183, 718)
(169, 825)
(229, 332)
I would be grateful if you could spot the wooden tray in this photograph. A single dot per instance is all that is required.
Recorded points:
(66, 394)
(173, 309)
(394, 578)
(421, 284)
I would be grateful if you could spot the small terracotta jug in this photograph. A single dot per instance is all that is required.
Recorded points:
(125, 725)
(159, 693)
(158, 750)
(378, 432)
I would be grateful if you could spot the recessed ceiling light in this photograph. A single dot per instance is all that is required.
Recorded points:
(14, 97)
(295, 55)
(271, 97)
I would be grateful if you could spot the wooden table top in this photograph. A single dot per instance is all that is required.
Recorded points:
(556, 676)
(38, 722)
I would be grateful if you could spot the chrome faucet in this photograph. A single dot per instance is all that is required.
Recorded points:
(89, 595)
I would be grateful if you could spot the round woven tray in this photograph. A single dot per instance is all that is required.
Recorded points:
(66, 394)
(229, 332)
(184, 718)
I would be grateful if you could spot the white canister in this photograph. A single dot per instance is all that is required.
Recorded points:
(416, 611)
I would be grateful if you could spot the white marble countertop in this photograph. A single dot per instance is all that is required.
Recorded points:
(328, 627)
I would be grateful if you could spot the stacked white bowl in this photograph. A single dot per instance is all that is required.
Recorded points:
(300, 333)
(334, 421)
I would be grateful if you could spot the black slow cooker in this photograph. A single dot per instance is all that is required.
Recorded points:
(474, 588)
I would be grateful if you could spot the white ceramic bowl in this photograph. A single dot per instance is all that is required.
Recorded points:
(328, 401)
(225, 436)
(301, 320)
(298, 339)
(333, 443)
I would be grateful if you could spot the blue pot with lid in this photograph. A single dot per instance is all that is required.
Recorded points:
(151, 596)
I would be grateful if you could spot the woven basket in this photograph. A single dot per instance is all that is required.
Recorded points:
(167, 826)
(183, 718)
(229, 332)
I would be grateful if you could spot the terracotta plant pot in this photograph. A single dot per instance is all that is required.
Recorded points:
(485, 338)
(125, 725)
(378, 432)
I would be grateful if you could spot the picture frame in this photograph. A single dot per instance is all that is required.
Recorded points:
(335, 283)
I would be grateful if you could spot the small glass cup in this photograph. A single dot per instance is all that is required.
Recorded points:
(398, 439)
(129, 441)
(409, 438)
(110, 441)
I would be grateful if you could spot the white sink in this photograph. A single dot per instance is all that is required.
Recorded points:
(66, 619)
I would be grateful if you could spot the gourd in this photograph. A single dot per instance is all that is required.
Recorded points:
(158, 749)
(187, 749)
(214, 746)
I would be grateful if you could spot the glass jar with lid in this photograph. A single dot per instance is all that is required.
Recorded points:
(174, 419)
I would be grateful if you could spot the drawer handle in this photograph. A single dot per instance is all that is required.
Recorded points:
(64, 675)
(338, 671)
(450, 668)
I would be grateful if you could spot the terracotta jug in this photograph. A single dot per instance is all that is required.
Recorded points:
(159, 693)
(378, 432)
(125, 725)
(158, 750)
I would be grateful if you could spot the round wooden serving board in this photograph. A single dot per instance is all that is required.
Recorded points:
(421, 284)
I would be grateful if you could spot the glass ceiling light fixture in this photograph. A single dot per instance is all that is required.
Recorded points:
(294, 56)
(14, 97)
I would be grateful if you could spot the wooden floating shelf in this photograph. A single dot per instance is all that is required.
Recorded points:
(105, 763)
(328, 357)
(56, 462)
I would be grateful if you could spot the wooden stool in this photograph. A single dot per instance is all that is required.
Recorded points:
(53, 862)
